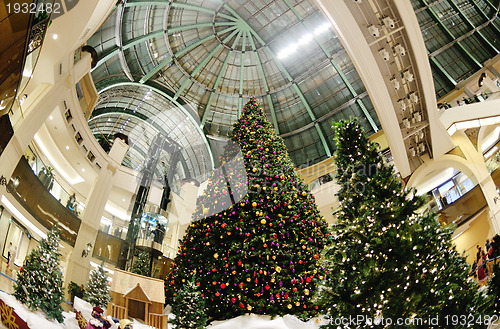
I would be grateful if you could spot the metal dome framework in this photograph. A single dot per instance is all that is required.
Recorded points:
(214, 55)
(211, 55)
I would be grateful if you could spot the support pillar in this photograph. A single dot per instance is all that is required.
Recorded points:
(484, 179)
(79, 264)
(36, 108)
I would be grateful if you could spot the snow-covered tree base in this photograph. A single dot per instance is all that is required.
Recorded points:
(254, 321)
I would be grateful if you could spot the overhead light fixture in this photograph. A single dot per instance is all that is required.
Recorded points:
(407, 75)
(384, 53)
(374, 30)
(389, 22)
(67, 147)
(417, 117)
(402, 104)
(54, 36)
(399, 50)
(412, 96)
(395, 83)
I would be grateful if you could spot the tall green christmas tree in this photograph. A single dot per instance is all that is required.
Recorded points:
(97, 290)
(39, 283)
(386, 261)
(141, 264)
(189, 308)
(256, 235)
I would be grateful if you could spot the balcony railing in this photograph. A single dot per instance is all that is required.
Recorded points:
(38, 201)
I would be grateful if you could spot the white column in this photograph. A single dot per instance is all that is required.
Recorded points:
(36, 109)
(78, 265)
(355, 44)
(478, 167)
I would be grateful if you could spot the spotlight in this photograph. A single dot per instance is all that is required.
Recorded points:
(388, 22)
(412, 96)
(398, 49)
(384, 53)
(395, 83)
(407, 76)
(374, 30)
(402, 104)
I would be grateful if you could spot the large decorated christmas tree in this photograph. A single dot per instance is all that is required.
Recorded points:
(256, 235)
(388, 262)
(39, 283)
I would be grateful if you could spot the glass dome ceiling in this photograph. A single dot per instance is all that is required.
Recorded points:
(210, 56)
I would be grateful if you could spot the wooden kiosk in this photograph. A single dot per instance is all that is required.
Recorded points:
(139, 297)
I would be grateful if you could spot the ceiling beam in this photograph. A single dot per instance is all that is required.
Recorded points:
(176, 102)
(179, 53)
(203, 63)
(450, 35)
(130, 43)
(471, 25)
(266, 86)
(285, 73)
(337, 68)
(217, 81)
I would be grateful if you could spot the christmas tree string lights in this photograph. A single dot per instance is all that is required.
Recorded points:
(386, 260)
(259, 254)
(39, 282)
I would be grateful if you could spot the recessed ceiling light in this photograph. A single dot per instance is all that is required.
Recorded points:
(83, 169)
(54, 36)
(123, 200)
(50, 117)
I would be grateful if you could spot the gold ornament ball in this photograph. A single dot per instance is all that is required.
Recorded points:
(306, 292)
(254, 169)
(278, 269)
(263, 221)
(289, 306)
(254, 204)
(216, 255)
(249, 307)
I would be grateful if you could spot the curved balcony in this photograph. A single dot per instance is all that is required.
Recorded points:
(33, 195)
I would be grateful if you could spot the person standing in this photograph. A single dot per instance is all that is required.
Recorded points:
(13, 254)
(9, 251)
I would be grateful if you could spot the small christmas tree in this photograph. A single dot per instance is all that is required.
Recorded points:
(39, 283)
(141, 264)
(386, 261)
(189, 308)
(97, 288)
(256, 235)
